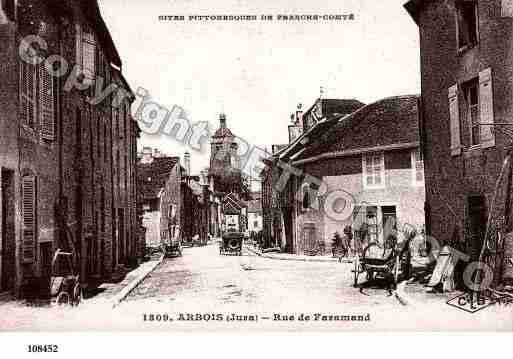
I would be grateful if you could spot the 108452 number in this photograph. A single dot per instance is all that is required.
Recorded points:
(38, 348)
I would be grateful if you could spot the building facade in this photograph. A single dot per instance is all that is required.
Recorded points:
(160, 181)
(467, 83)
(362, 170)
(278, 188)
(58, 132)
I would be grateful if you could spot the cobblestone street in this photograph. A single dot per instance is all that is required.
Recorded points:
(249, 282)
(202, 289)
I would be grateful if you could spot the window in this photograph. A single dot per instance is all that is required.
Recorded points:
(28, 194)
(372, 224)
(27, 93)
(306, 196)
(471, 95)
(466, 11)
(417, 164)
(172, 212)
(374, 170)
(88, 53)
(46, 104)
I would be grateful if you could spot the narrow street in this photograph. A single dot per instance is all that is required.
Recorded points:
(249, 282)
(205, 290)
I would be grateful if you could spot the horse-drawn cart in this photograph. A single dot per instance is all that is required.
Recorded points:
(65, 287)
(231, 243)
(378, 261)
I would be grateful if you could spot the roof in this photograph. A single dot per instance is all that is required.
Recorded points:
(302, 141)
(413, 7)
(332, 109)
(388, 121)
(223, 132)
(254, 206)
(341, 106)
(91, 12)
(152, 177)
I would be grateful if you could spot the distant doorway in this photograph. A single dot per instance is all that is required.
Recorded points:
(477, 215)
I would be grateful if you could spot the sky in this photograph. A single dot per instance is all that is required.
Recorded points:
(257, 72)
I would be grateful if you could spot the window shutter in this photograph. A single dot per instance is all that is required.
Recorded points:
(454, 114)
(29, 218)
(27, 91)
(486, 108)
(507, 8)
(46, 100)
(78, 44)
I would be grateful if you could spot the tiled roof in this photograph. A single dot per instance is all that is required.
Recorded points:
(341, 106)
(388, 121)
(223, 132)
(152, 177)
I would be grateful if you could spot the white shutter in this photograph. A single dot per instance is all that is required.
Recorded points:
(454, 114)
(486, 108)
(46, 102)
(29, 218)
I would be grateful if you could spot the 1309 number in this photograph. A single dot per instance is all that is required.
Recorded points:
(33, 348)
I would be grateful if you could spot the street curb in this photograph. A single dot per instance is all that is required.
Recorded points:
(118, 298)
(297, 259)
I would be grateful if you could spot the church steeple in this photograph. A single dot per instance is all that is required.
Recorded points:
(222, 120)
(224, 160)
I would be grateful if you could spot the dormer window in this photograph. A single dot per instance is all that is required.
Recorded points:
(466, 12)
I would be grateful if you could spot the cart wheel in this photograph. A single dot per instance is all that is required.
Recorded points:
(63, 298)
(370, 276)
(77, 295)
(356, 271)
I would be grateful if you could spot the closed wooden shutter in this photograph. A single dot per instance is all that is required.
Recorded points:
(47, 107)
(27, 92)
(454, 115)
(486, 108)
(29, 218)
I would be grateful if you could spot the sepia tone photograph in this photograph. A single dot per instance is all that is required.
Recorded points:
(190, 165)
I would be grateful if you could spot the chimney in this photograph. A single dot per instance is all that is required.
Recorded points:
(187, 163)
(299, 114)
(222, 120)
(147, 155)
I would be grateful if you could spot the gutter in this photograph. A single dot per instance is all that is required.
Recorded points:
(337, 154)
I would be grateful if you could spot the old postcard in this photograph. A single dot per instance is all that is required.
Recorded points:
(173, 165)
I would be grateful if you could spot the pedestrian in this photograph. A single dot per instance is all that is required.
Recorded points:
(347, 240)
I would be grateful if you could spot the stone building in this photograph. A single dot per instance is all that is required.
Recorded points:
(372, 175)
(347, 170)
(277, 204)
(467, 87)
(60, 185)
(160, 186)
